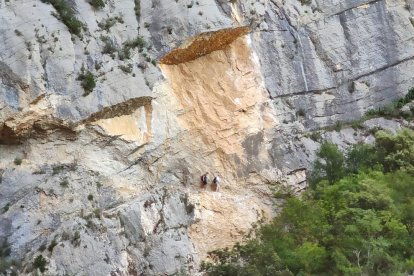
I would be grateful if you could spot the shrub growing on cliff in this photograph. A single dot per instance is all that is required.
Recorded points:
(393, 110)
(87, 81)
(76, 240)
(67, 15)
(17, 161)
(40, 263)
(301, 112)
(305, 2)
(56, 169)
(52, 245)
(126, 68)
(17, 32)
(108, 23)
(137, 42)
(137, 9)
(97, 4)
(5, 249)
(8, 266)
(64, 183)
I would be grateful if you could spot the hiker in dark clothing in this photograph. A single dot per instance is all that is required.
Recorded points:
(216, 181)
(204, 180)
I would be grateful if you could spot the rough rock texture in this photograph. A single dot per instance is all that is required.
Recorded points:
(106, 182)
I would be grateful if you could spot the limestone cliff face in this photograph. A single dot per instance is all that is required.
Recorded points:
(110, 176)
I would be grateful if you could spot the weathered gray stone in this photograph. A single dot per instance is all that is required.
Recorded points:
(114, 176)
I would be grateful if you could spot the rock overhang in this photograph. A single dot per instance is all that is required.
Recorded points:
(203, 44)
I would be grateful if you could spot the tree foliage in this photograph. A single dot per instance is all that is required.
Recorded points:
(358, 218)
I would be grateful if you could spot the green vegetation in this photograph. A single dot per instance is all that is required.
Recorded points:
(7, 265)
(97, 212)
(109, 47)
(393, 110)
(137, 10)
(40, 263)
(90, 197)
(357, 218)
(67, 15)
(56, 169)
(301, 112)
(76, 240)
(124, 53)
(87, 81)
(64, 183)
(17, 32)
(52, 245)
(315, 136)
(305, 2)
(5, 249)
(329, 164)
(126, 68)
(97, 4)
(138, 42)
(17, 161)
(6, 208)
(108, 23)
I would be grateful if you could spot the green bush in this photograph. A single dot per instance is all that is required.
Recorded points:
(97, 4)
(67, 15)
(56, 169)
(124, 53)
(6, 207)
(97, 212)
(305, 2)
(138, 42)
(393, 110)
(8, 266)
(76, 240)
(126, 68)
(137, 9)
(17, 161)
(52, 245)
(108, 23)
(17, 32)
(87, 81)
(40, 263)
(64, 183)
(301, 112)
(109, 47)
(5, 249)
(329, 164)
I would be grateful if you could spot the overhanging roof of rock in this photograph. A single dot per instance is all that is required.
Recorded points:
(203, 44)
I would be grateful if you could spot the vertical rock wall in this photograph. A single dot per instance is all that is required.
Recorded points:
(107, 182)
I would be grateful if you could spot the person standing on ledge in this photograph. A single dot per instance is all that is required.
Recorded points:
(216, 181)
(204, 180)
